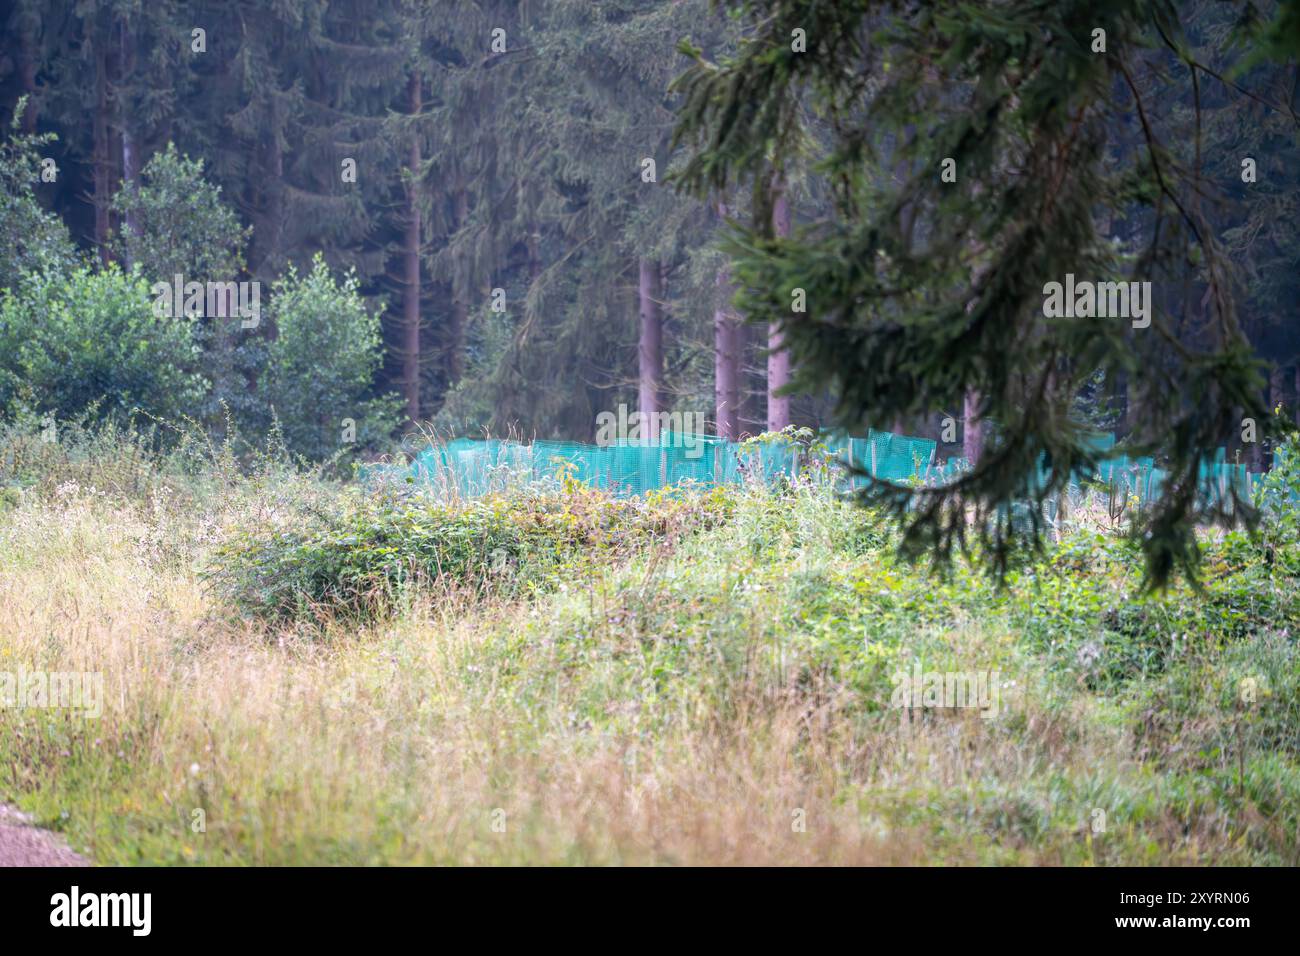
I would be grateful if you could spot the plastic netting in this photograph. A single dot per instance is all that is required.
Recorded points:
(473, 467)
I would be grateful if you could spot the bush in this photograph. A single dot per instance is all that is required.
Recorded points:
(358, 558)
(1278, 495)
(322, 363)
(31, 239)
(70, 342)
(181, 227)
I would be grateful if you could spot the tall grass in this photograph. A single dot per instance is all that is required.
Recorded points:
(705, 695)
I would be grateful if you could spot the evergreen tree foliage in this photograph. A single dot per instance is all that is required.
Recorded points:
(582, 107)
(478, 167)
(907, 314)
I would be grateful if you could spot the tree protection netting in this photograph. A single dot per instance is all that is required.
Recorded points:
(467, 467)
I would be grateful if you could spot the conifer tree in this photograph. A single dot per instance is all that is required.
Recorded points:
(1015, 114)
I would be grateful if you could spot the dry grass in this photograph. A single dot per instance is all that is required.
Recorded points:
(578, 728)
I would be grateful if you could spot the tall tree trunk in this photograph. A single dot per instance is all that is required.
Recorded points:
(266, 194)
(460, 302)
(100, 158)
(906, 227)
(778, 358)
(27, 74)
(1297, 389)
(972, 438)
(726, 354)
(130, 170)
(130, 157)
(411, 293)
(752, 416)
(726, 363)
(650, 348)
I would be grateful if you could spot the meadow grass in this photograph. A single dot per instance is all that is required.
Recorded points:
(712, 688)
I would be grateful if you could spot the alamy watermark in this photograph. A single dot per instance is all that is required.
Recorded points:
(81, 691)
(214, 300)
(1085, 299)
(130, 910)
(944, 689)
(661, 429)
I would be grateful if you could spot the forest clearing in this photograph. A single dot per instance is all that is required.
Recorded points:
(700, 676)
(653, 434)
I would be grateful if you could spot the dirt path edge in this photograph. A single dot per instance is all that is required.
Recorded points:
(22, 844)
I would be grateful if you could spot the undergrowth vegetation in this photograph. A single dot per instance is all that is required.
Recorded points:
(360, 555)
(301, 671)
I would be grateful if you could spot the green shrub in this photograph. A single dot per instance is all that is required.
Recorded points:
(182, 227)
(357, 558)
(31, 238)
(70, 342)
(327, 351)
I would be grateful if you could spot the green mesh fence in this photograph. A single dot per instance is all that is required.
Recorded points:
(473, 467)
